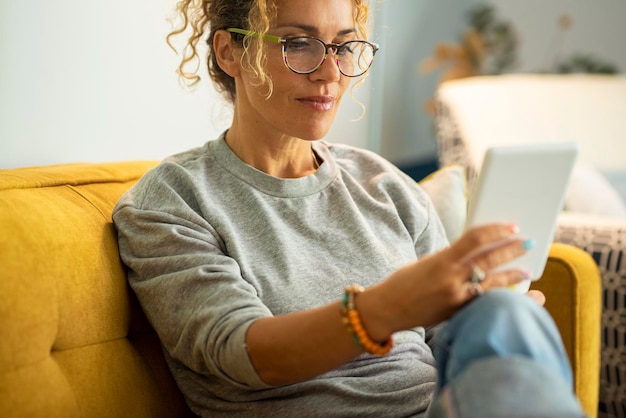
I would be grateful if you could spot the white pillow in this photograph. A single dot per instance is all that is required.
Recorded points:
(447, 188)
(590, 192)
(617, 179)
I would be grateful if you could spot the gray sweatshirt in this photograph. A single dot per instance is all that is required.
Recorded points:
(212, 244)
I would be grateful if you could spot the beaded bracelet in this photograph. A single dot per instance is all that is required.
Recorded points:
(352, 321)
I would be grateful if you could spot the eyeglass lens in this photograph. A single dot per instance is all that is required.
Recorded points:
(304, 55)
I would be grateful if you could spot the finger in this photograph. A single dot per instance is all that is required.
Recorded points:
(495, 280)
(537, 296)
(496, 255)
(477, 238)
(480, 267)
(504, 278)
(475, 290)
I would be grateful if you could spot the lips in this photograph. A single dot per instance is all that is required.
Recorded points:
(325, 102)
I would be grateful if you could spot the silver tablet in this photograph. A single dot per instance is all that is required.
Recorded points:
(524, 185)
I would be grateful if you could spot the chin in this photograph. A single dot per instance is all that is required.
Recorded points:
(316, 131)
(315, 136)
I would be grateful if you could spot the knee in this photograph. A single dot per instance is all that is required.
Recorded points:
(503, 314)
(504, 323)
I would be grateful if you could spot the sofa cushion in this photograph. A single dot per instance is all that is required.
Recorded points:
(617, 179)
(74, 342)
(591, 192)
(448, 190)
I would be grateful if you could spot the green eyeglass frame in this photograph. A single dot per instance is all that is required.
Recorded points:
(308, 53)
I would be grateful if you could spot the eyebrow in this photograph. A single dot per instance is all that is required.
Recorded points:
(313, 29)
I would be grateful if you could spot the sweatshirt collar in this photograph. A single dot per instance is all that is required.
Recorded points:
(275, 186)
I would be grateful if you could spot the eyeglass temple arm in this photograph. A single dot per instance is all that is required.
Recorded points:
(245, 32)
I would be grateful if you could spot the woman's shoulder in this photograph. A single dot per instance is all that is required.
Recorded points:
(175, 173)
(188, 161)
(343, 151)
(363, 162)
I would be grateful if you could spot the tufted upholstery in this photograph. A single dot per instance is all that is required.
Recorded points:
(73, 342)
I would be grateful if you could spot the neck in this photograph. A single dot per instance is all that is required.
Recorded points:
(283, 157)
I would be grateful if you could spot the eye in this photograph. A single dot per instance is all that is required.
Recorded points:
(300, 44)
(346, 49)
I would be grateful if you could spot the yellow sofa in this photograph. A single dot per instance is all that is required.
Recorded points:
(73, 340)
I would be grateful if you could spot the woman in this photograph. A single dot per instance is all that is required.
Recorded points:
(243, 252)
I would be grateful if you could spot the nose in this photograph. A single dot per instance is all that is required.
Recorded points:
(329, 70)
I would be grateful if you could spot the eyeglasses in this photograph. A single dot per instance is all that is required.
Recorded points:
(305, 54)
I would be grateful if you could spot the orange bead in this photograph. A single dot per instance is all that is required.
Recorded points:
(352, 320)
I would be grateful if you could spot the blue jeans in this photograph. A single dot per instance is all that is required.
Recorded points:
(502, 356)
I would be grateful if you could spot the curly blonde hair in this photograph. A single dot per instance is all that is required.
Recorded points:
(208, 16)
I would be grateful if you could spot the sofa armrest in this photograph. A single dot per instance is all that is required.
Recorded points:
(572, 286)
(604, 239)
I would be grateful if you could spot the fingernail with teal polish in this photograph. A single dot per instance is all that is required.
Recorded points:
(528, 244)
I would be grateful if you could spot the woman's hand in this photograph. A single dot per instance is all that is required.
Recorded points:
(432, 289)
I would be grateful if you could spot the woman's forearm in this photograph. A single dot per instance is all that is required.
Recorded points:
(299, 346)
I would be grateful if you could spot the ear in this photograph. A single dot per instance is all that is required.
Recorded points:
(226, 53)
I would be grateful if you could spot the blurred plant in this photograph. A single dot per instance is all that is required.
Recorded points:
(487, 47)
(586, 63)
(564, 22)
(577, 63)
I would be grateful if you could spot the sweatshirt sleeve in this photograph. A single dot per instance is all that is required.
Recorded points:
(429, 237)
(192, 292)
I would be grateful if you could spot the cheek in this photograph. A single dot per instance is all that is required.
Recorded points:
(346, 85)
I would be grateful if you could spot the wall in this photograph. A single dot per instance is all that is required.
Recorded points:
(91, 81)
(597, 28)
(409, 32)
(94, 81)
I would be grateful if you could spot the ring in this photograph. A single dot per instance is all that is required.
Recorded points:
(476, 289)
(477, 276)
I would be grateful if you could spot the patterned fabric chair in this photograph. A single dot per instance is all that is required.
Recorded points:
(477, 112)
